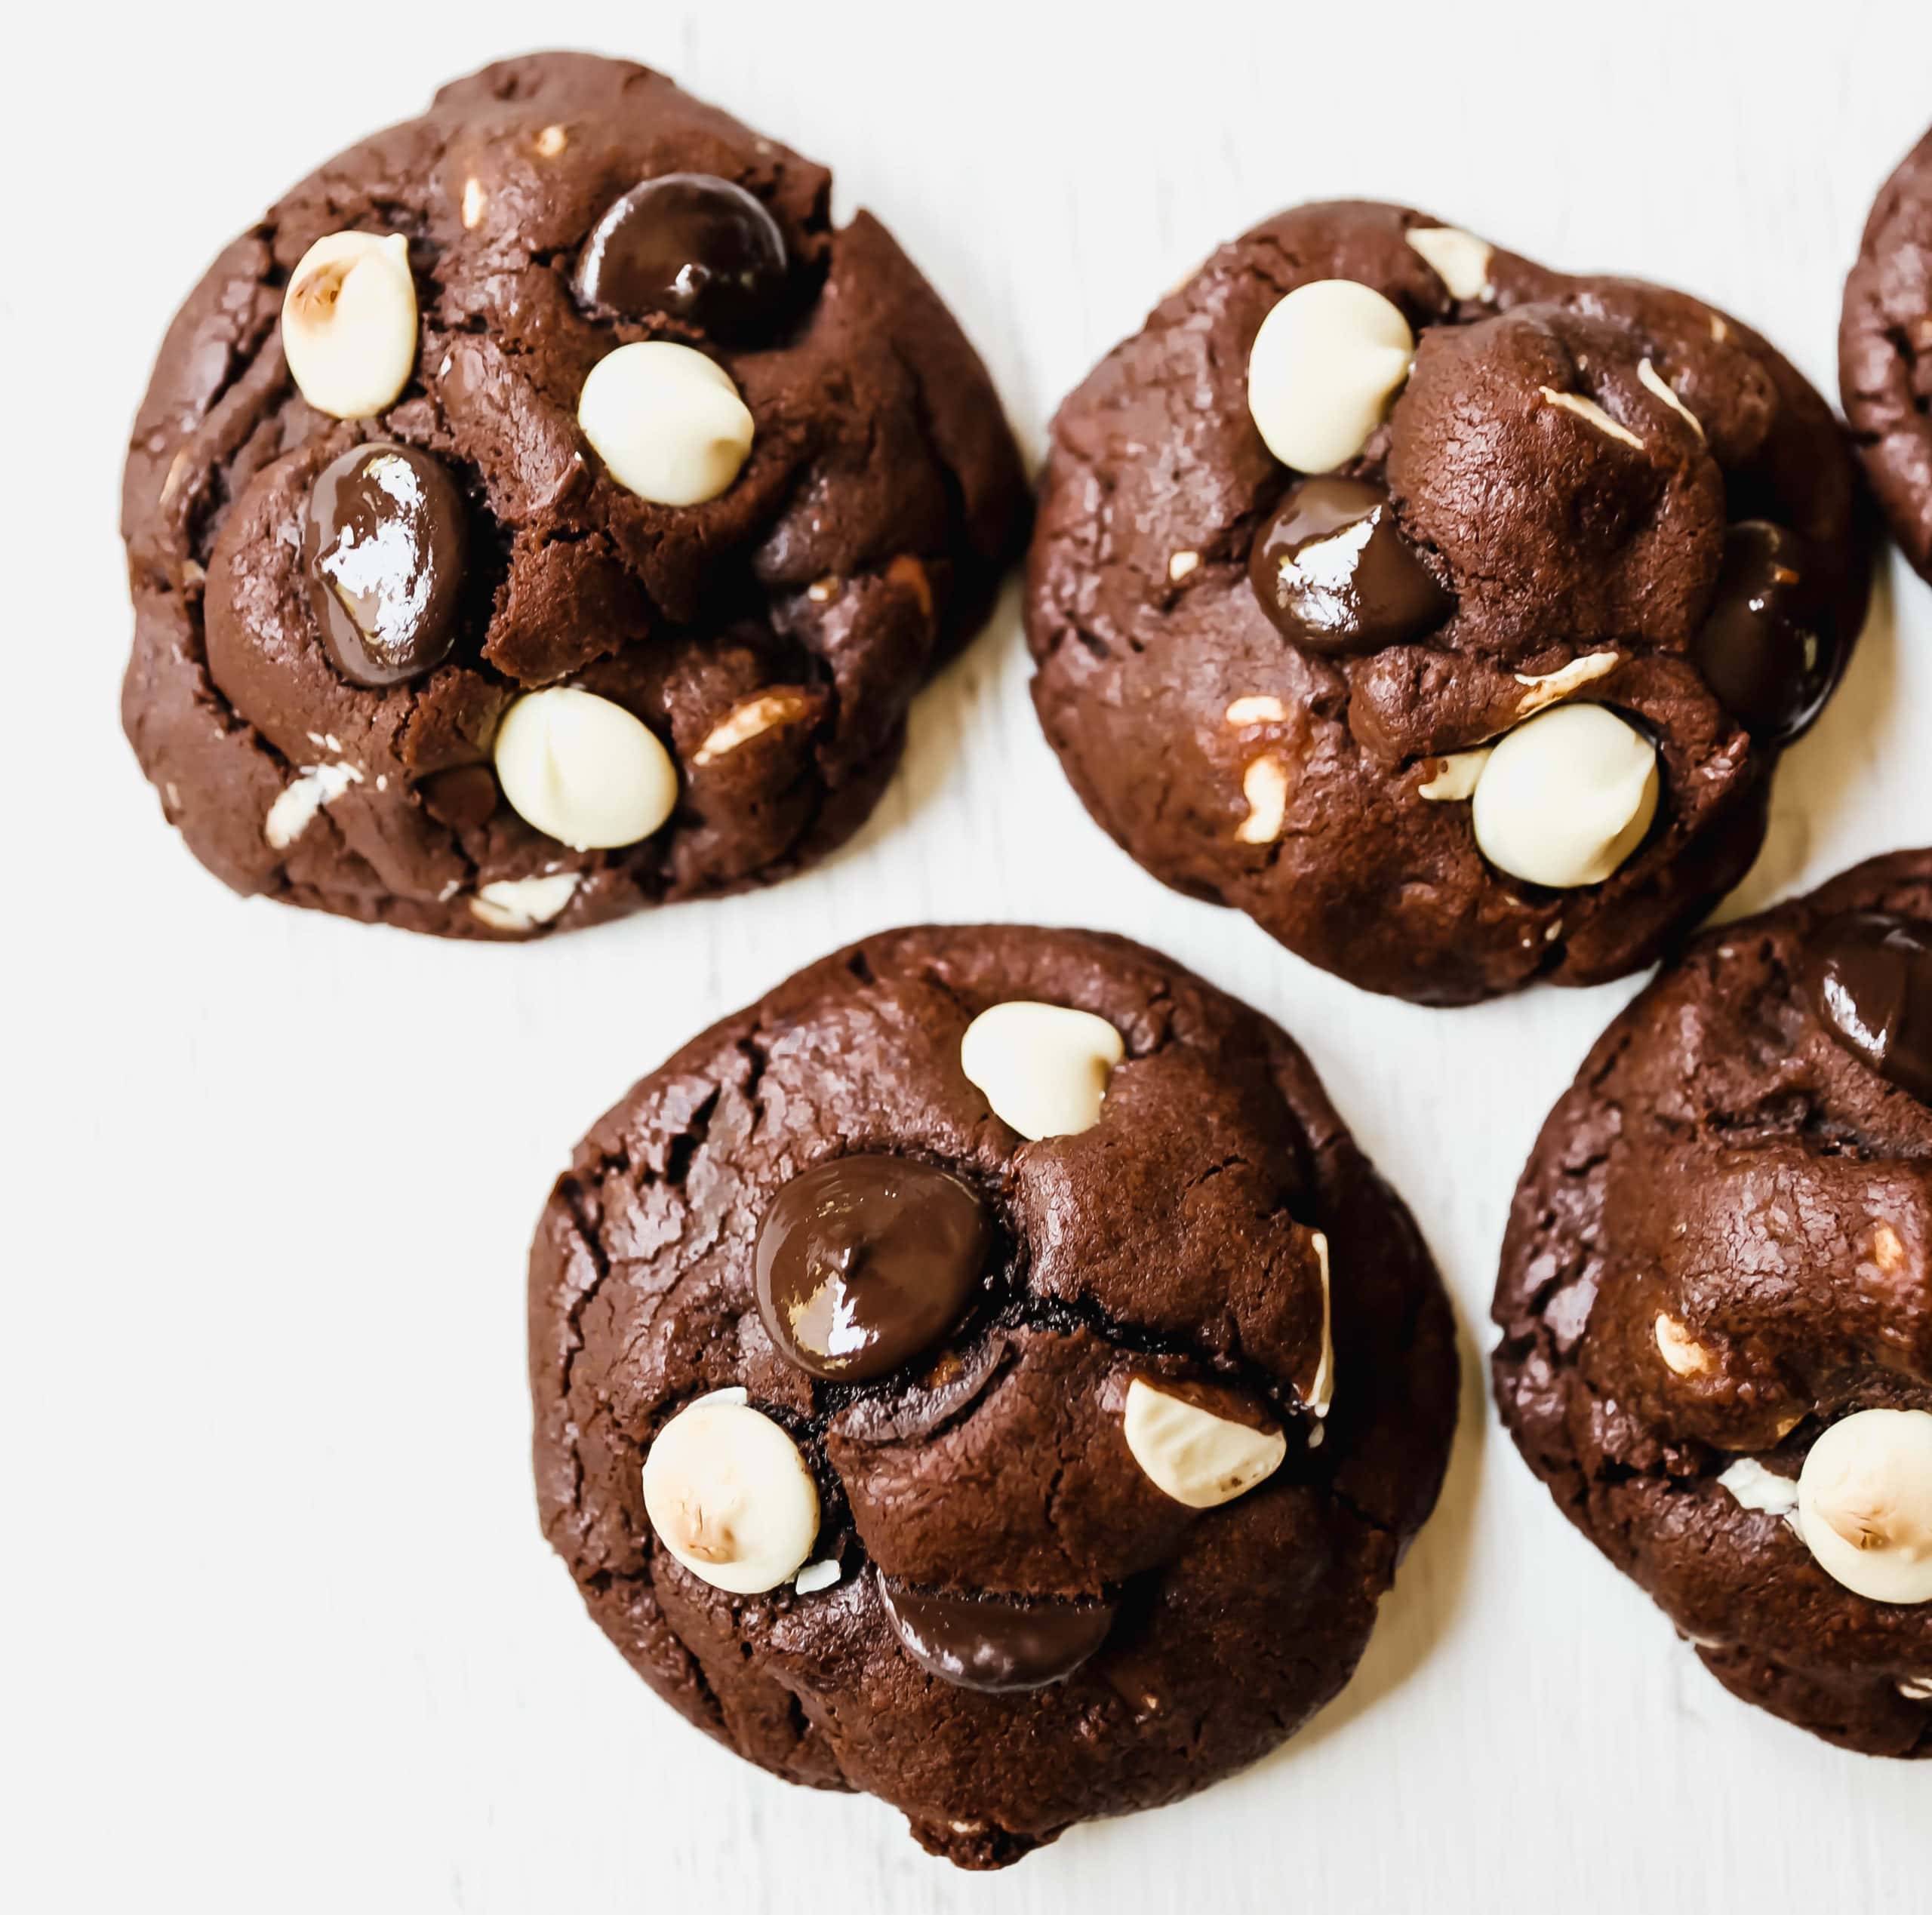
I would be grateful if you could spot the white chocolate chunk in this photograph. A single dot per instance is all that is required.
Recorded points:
(1566, 797)
(1648, 376)
(667, 421)
(1916, 1689)
(1459, 258)
(1043, 1068)
(1553, 687)
(1455, 779)
(1589, 410)
(582, 770)
(1321, 1392)
(474, 201)
(1193, 1455)
(1180, 563)
(744, 722)
(1754, 1487)
(1679, 1349)
(1326, 363)
(730, 1496)
(815, 1576)
(1265, 786)
(551, 142)
(521, 904)
(305, 795)
(1256, 709)
(348, 323)
(1865, 1503)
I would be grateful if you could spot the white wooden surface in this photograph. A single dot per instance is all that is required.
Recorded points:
(278, 1630)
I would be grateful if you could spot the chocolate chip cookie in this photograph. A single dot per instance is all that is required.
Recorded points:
(1716, 1305)
(986, 1373)
(1446, 614)
(1885, 352)
(546, 511)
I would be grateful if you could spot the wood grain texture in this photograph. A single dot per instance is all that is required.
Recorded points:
(280, 1631)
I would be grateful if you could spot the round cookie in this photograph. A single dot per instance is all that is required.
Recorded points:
(1885, 352)
(1005, 1316)
(1716, 1305)
(1320, 547)
(546, 512)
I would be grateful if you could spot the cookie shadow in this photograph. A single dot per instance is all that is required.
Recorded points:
(1416, 1614)
(1820, 776)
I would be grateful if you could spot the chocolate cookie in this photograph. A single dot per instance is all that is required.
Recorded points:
(1716, 1305)
(1446, 614)
(940, 1391)
(1885, 352)
(546, 511)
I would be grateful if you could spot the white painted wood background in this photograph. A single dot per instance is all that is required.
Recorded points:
(278, 1630)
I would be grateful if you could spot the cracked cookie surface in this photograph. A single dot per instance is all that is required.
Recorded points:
(1577, 475)
(1213, 1240)
(1721, 1249)
(770, 637)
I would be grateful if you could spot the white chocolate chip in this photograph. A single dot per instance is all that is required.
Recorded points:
(1589, 410)
(551, 142)
(1865, 1503)
(667, 421)
(312, 787)
(1916, 1689)
(1181, 564)
(1887, 1250)
(521, 904)
(1459, 258)
(1720, 332)
(1326, 363)
(1648, 375)
(1265, 786)
(582, 770)
(1455, 779)
(1256, 709)
(474, 201)
(1193, 1455)
(1752, 1486)
(822, 592)
(348, 323)
(1553, 687)
(1566, 797)
(1043, 1068)
(1321, 1391)
(745, 722)
(1679, 1349)
(730, 1496)
(815, 1576)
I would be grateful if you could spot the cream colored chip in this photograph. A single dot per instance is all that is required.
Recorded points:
(583, 770)
(1648, 375)
(1887, 1249)
(1455, 778)
(1865, 1503)
(1553, 687)
(1265, 786)
(668, 422)
(1043, 1067)
(551, 142)
(348, 323)
(1458, 259)
(1193, 1455)
(474, 201)
(305, 795)
(521, 904)
(730, 1496)
(1680, 1350)
(1181, 563)
(1752, 1486)
(744, 722)
(1321, 1391)
(1916, 1689)
(1258, 709)
(1327, 360)
(1566, 798)
(815, 1576)
(1593, 414)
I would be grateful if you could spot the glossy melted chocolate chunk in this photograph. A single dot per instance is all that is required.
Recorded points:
(1767, 651)
(690, 245)
(863, 1262)
(384, 541)
(1334, 573)
(1871, 979)
(995, 1642)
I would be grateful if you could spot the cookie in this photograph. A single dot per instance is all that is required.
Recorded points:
(1885, 353)
(1446, 614)
(1716, 1305)
(546, 511)
(986, 1373)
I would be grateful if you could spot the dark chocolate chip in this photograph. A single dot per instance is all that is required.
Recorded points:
(1871, 980)
(463, 799)
(863, 1262)
(384, 541)
(1333, 571)
(1767, 651)
(689, 245)
(995, 1642)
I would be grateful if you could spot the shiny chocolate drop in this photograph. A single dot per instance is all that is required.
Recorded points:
(994, 1643)
(1767, 650)
(1870, 975)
